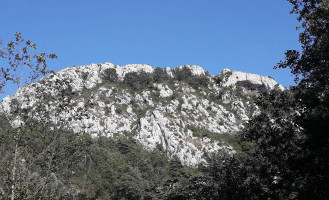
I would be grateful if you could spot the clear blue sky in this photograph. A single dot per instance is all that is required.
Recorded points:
(249, 36)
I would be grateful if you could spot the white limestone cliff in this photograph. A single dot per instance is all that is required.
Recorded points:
(230, 78)
(164, 115)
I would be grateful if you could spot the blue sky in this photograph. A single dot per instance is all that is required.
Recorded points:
(249, 36)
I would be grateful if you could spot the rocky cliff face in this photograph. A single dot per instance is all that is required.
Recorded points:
(183, 111)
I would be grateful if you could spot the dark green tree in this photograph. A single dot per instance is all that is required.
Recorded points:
(288, 142)
(21, 66)
(311, 69)
(138, 80)
(185, 74)
(111, 75)
(273, 144)
(159, 75)
(182, 74)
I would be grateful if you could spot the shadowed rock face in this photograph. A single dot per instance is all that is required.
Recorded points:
(181, 119)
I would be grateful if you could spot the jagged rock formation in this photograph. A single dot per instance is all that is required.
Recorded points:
(182, 118)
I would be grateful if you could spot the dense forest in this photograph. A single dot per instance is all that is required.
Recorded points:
(284, 150)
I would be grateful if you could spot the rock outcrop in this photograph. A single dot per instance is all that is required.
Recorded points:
(230, 78)
(181, 119)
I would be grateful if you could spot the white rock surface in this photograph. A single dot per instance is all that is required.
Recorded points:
(77, 99)
(232, 77)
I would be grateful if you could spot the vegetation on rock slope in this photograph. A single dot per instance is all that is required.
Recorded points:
(285, 147)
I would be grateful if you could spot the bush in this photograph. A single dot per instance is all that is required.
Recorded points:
(185, 74)
(182, 74)
(218, 79)
(201, 80)
(159, 75)
(111, 75)
(138, 80)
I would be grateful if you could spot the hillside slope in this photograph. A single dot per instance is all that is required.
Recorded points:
(184, 111)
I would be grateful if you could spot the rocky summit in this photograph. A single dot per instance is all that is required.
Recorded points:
(184, 111)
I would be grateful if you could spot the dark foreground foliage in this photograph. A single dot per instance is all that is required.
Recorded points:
(58, 164)
(286, 146)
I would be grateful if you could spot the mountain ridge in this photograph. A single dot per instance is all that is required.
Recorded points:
(185, 114)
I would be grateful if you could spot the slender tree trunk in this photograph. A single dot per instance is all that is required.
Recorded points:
(14, 174)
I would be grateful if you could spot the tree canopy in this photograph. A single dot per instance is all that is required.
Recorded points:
(21, 65)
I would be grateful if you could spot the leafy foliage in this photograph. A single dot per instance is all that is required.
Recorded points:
(225, 138)
(138, 80)
(288, 141)
(311, 70)
(111, 75)
(286, 145)
(23, 66)
(275, 150)
(143, 80)
(223, 178)
(64, 164)
(185, 74)
(159, 75)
